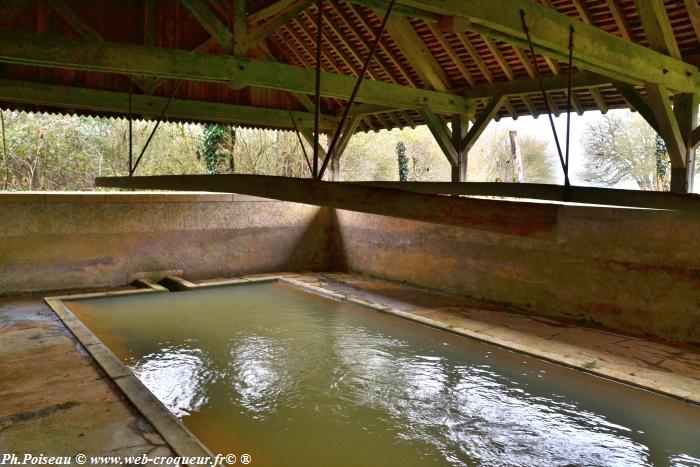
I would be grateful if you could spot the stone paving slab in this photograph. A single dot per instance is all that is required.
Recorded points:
(54, 399)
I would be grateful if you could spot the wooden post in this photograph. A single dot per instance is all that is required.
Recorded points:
(685, 109)
(460, 126)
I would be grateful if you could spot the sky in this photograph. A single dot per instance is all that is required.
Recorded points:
(541, 127)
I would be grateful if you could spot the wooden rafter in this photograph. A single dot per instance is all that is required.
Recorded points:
(486, 71)
(414, 49)
(596, 50)
(275, 21)
(619, 17)
(209, 21)
(59, 52)
(657, 27)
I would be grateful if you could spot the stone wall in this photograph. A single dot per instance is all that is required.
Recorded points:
(630, 270)
(56, 241)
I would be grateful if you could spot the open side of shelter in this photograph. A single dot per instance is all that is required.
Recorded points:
(338, 67)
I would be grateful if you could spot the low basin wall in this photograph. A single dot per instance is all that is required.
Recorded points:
(57, 241)
(629, 270)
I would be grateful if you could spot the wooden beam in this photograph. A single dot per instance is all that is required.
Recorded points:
(415, 50)
(482, 121)
(26, 92)
(60, 52)
(668, 125)
(66, 13)
(269, 11)
(200, 11)
(75, 21)
(579, 194)
(309, 137)
(685, 109)
(695, 138)
(694, 14)
(347, 131)
(399, 10)
(596, 50)
(240, 27)
(259, 33)
(636, 101)
(657, 26)
(486, 71)
(460, 127)
(620, 20)
(509, 218)
(438, 127)
(9, 8)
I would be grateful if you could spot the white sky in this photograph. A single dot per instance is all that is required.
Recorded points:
(541, 127)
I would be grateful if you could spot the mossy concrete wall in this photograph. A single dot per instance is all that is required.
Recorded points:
(630, 270)
(59, 241)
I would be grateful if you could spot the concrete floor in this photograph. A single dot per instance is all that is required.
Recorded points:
(56, 401)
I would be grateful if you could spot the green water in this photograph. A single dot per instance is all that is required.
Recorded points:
(295, 379)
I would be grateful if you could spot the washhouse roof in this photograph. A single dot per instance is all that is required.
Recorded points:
(436, 58)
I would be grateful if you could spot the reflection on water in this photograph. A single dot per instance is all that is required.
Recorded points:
(177, 376)
(295, 379)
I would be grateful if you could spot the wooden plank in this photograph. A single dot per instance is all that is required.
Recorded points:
(150, 106)
(579, 194)
(60, 52)
(596, 50)
(532, 220)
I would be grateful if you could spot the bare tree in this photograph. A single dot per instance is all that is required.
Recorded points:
(619, 147)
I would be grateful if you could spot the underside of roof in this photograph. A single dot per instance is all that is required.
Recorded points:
(422, 48)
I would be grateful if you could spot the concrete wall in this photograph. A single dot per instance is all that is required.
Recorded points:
(635, 271)
(625, 269)
(57, 241)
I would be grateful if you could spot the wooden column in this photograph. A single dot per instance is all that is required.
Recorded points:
(685, 109)
(460, 127)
